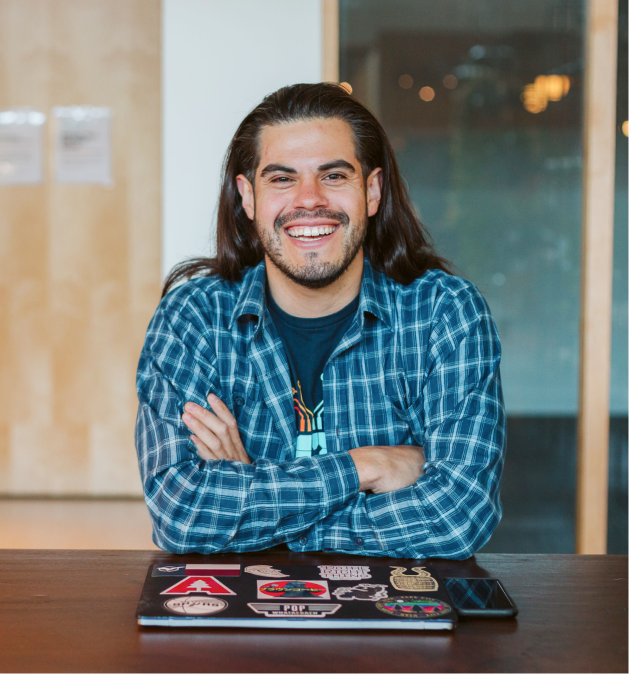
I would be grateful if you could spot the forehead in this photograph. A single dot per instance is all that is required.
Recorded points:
(308, 142)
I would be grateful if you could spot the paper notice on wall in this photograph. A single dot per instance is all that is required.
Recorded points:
(21, 146)
(83, 145)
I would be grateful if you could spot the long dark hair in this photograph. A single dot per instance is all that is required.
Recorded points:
(396, 242)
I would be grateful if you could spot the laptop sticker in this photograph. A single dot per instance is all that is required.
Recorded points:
(169, 570)
(205, 584)
(421, 582)
(295, 610)
(287, 589)
(212, 569)
(196, 570)
(413, 607)
(195, 605)
(266, 571)
(344, 572)
(362, 592)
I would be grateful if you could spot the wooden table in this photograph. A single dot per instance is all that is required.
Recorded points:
(75, 611)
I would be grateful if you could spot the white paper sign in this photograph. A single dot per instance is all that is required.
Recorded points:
(21, 146)
(83, 145)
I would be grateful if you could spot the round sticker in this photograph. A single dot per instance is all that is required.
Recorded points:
(195, 605)
(413, 607)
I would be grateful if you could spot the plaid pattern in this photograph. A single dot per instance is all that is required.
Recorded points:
(419, 365)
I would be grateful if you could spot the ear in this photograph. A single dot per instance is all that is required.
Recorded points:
(246, 192)
(374, 191)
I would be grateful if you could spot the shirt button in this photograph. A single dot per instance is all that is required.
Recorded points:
(303, 540)
(358, 540)
(239, 400)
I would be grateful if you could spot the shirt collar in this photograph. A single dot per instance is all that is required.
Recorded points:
(375, 295)
(251, 300)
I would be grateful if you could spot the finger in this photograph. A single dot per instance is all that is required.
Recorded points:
(218, 427)
(203, 451)
(223, 413)
(237, 449)
(204, 434)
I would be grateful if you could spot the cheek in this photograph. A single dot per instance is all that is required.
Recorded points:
(355, 206)
(269, 207)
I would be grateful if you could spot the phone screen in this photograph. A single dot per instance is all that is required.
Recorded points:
(478, 594)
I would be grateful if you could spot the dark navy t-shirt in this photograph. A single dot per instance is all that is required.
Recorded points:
(309, 342)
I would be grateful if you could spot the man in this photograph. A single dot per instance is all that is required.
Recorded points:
(323, 382)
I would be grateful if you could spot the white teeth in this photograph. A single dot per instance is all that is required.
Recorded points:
(310, 232)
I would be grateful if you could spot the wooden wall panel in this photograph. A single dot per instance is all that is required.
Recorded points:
(330, 38)
(79, 264)
(596, 276)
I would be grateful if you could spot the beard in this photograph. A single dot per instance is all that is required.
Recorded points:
(314, 274)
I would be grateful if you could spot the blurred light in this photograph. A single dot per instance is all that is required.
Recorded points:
(546, 88)
(477, 52)
(552, 84)
(498, 279)
(426, 93)
(347, 86)
(534, 98)
(625, 128)
(450, 81)
(405, 81)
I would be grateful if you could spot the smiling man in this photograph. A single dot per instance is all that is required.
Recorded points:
(324, 381)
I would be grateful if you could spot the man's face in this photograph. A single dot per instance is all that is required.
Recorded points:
(310, 204)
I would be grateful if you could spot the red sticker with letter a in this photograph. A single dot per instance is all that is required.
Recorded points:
(204, 584)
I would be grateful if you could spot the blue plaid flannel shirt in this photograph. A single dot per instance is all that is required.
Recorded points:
(419, 365)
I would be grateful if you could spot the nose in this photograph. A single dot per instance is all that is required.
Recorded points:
(310, 195)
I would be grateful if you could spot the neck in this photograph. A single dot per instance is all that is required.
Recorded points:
(297, 300)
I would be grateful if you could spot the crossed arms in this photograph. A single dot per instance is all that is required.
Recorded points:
(380, 469)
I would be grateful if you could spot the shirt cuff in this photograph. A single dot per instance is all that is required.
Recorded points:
(340, 477)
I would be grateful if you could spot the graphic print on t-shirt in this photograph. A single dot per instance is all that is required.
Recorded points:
(310, 431)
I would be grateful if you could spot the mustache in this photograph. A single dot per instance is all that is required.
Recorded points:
(340, 217)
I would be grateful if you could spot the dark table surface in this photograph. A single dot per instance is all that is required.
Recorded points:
(71, 611)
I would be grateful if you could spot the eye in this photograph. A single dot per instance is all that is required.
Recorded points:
(281, 179)
(334, 176)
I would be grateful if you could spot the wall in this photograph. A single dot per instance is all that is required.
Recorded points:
(219, 60)
(79, 264)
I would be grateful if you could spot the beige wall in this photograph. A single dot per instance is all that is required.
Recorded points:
(79, 265)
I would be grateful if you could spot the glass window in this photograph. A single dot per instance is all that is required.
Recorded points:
(617, 514)
(483, 104)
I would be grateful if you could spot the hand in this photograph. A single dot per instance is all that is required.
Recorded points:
(216, 435)
(382, 469)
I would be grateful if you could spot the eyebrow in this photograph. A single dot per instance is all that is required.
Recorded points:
(274, 168)
(280, 168)
(339, 163)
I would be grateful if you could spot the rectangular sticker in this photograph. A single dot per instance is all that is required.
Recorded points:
(196, 570)
(344, 572)
(293, 589)
(212, 569)
(295, 610)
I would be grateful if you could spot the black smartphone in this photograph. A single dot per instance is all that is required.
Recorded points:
(480, 597)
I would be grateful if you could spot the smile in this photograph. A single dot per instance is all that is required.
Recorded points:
(311, 233)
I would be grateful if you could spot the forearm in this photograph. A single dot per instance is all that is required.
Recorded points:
(212, 506)
(450, 512)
